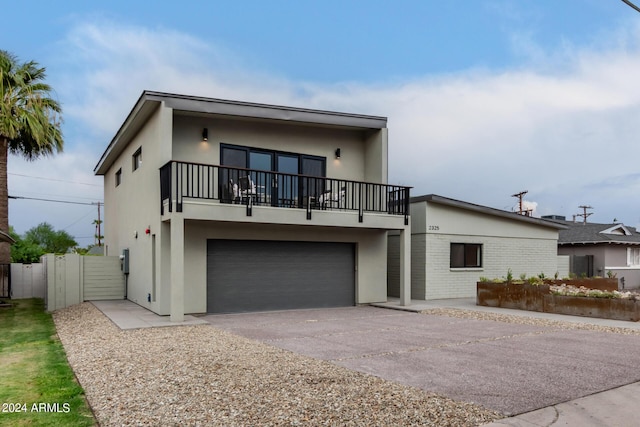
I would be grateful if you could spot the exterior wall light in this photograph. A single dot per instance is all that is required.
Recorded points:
(337, 153)
(205, 134)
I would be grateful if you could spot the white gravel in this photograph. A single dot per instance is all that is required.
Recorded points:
(200, 375)
(525, 320)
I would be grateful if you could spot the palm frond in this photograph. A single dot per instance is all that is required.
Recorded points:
(30, 118)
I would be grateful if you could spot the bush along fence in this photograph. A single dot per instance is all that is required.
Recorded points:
(594, 297)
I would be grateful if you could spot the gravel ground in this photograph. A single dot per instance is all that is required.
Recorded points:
(524, 320)
(200, 375)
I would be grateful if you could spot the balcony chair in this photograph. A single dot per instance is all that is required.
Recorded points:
(245, 190)
(332, 200)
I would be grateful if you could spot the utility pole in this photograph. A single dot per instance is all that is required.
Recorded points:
(521, 210)
(98, 223)
(584, 213)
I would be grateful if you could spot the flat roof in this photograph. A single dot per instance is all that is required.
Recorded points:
(149, 101)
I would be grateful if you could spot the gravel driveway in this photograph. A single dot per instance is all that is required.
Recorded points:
(201, 375)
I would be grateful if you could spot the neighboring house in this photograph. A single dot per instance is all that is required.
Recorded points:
(454, 243)
(227, 206)
(597, 249)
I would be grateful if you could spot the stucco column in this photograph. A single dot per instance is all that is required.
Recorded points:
(176, 303)
(405, 266)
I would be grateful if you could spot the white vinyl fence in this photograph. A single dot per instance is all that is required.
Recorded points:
(72, 279)
(28, 281)
(64, 280)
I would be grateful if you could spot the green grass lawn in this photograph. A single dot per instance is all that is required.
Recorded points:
(37, 386)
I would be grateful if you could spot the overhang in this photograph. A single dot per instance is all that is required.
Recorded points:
(5, 237)
(149, 101)
(433, 198)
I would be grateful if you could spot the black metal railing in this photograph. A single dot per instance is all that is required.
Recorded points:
(5, 280)
(250, 187)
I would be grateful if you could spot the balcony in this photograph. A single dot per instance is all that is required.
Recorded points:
(257, 188)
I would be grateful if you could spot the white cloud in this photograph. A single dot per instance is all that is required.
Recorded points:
(567, 132)
(527, 206)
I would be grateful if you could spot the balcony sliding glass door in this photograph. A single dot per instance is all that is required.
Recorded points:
(261, 163)
(274, 176)
(287, 184)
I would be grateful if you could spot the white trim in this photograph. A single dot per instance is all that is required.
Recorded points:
(637, 267)
(611, 230)
(633, 254)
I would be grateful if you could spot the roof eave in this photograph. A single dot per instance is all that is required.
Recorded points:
(149, 101)
(601, 242)
(434, 198)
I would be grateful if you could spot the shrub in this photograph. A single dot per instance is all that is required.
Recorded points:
(534, 280)
(509, 276)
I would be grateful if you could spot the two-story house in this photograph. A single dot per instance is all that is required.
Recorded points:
(223, 206)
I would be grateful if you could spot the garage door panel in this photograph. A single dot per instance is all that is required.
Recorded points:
(267, 275)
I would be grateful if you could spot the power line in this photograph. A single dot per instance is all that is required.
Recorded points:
(79, 219)
(53, 179)
(51, 200)
(60, 195)
(636, 8)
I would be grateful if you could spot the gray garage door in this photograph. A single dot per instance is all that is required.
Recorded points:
(254, 275)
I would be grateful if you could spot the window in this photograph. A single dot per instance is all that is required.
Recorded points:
(278, 184)
(633, 257)
(118, 177)
(465, 255)
(137, 158)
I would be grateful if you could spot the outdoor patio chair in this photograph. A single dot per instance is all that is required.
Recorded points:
(246, 189)
(331, 199)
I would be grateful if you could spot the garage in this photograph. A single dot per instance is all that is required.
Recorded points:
(257, 275)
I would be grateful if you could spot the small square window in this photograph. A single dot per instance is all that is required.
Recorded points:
(465, 255)
(118, 177)
(137, 159)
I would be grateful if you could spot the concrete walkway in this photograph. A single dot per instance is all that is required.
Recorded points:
(614, 407)
(129, 315)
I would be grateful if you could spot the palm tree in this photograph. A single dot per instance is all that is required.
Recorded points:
(29, 123)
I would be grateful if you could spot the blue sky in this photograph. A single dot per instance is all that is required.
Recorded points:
(484, 98)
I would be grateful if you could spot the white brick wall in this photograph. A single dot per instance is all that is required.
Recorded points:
(522, 255)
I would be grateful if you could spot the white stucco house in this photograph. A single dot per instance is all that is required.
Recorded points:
(454, 243)
(225, 206)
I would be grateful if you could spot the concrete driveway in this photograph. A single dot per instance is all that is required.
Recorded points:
(508, 367)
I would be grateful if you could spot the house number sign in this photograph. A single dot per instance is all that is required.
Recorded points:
(434, 228)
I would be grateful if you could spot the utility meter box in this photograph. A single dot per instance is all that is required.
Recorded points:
(125, 261)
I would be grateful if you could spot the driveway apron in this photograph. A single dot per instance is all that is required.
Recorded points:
(508, 367)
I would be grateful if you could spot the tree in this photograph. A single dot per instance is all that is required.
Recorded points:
(24, 251)
(30, 121)
(51, 241)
